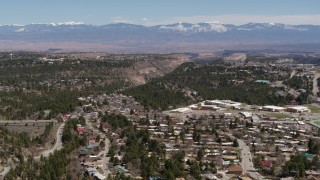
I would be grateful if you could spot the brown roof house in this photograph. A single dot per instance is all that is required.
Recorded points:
(235, 169)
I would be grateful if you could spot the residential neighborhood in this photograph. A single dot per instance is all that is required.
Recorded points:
(228, 118)
(226, 139)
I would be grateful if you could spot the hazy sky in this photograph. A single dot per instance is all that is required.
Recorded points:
(150, 12)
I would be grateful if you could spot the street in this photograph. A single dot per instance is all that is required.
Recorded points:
(246, 161)
(105, 160)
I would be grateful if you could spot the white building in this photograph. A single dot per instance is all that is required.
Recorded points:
(298, 109)
(273, 108)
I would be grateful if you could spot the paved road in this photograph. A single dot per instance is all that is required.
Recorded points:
(57, 145)
(105, 160)
(26, 121)
(5, 171)
(246, 161)
(315, 88)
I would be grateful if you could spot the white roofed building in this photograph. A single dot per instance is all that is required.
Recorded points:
(298, 109)
(273, 108)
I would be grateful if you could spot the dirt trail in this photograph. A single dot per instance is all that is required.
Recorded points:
(57, 145)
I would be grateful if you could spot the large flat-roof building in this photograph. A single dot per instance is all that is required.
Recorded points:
(298, 109)
(273, 108)
(222, 103)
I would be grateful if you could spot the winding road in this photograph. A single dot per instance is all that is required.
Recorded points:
(57, 145)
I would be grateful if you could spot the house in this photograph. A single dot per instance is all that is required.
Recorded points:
(229, 157)
(308, 156)
(266, 163)
(99, 176)
(94, 143)
(92, 146)
(155, 178)
(163, 128)
(91, 171)
(92, 136)
(84, 151)
(246, 114)
(313, 175)
(263, 81)
(235, 169)
(65, 117)
(227, 143)
(80, 130)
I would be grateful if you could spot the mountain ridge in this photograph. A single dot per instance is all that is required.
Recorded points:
(214, 26)
(174, 37)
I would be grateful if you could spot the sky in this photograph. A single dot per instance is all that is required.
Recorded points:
(153, 12)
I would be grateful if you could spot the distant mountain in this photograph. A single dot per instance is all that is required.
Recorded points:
(132, 35)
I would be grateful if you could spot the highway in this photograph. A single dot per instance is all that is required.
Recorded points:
(57, 146)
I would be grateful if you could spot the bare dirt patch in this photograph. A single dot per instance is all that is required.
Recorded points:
(33, 129)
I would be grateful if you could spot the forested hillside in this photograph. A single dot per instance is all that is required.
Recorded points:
(192, 82)
(38, 86)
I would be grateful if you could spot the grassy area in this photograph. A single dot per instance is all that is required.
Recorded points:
(317, 122)
(280, 115)
(314, 109)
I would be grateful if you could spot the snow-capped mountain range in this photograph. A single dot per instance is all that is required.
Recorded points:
(122, 33)
(196, 28)
(215, 26)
